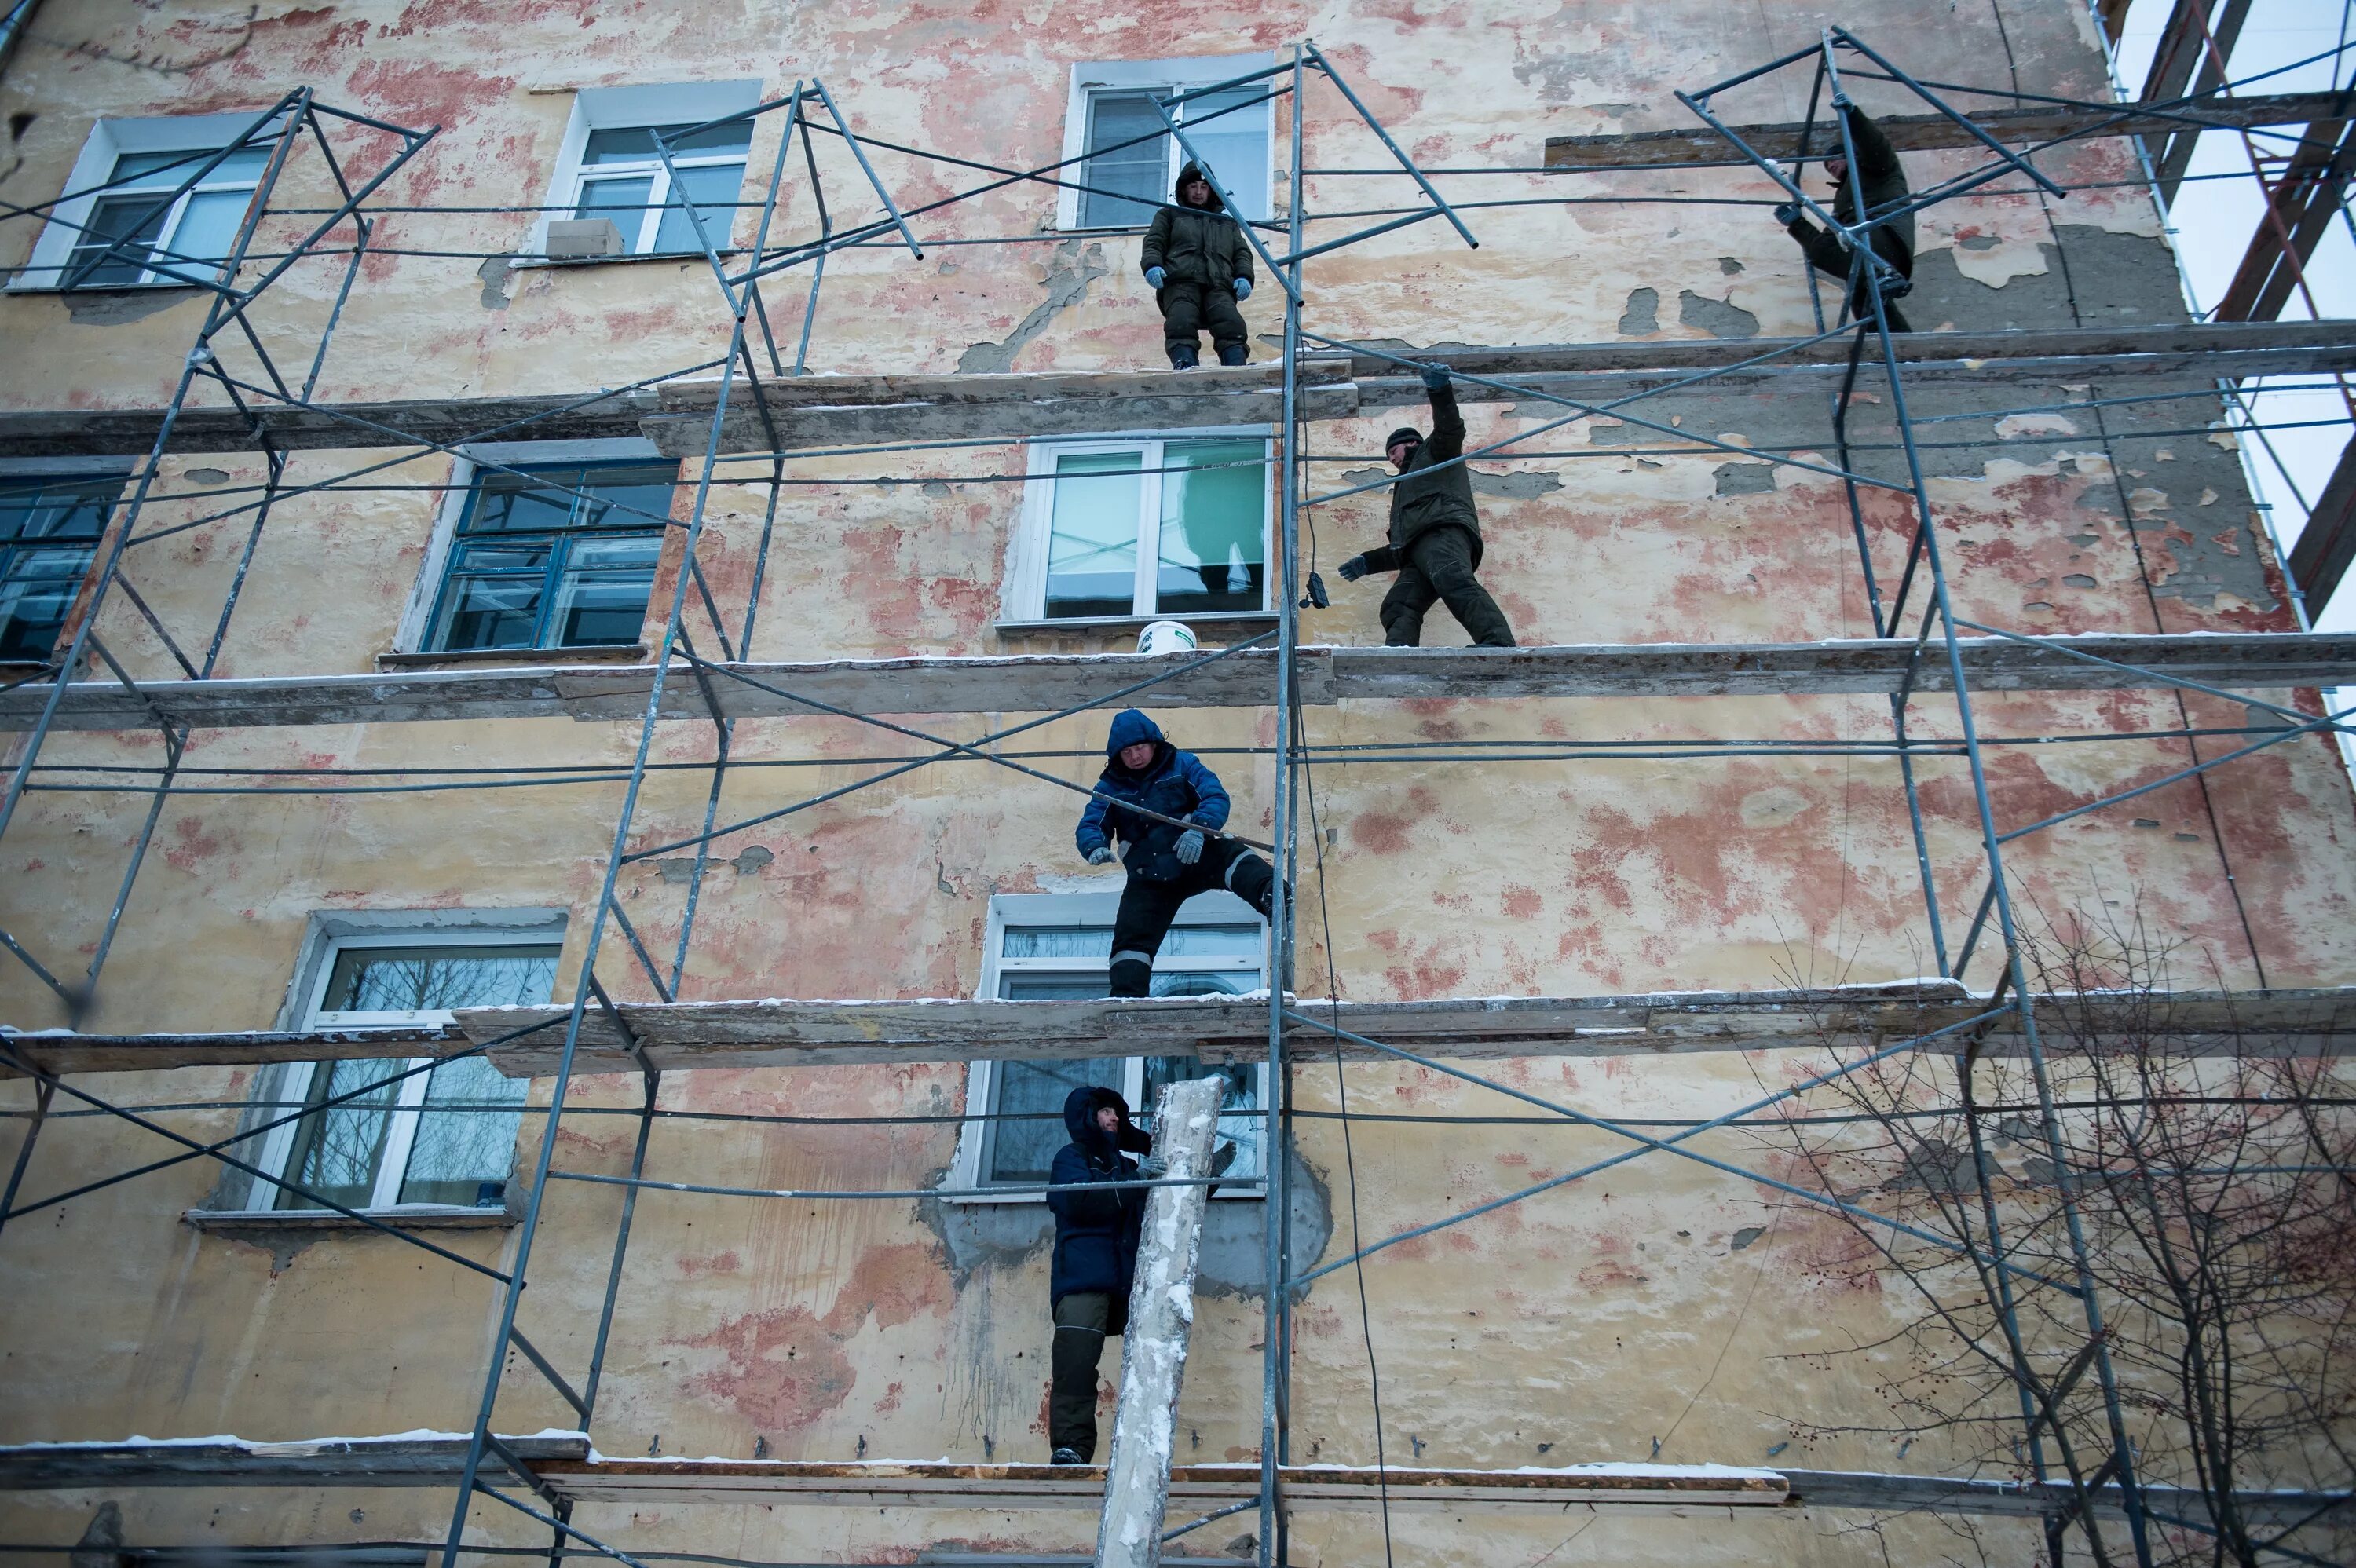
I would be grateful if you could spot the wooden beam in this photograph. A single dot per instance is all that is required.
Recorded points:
(63, 1052)
(411, 1459)
(2327, 544)
(1045, 683)
(2171, 151)
(1927, 133)
(685, 1036)
(1161, 1322)
(2185, 350)
(826, 411)
(2030, 1499)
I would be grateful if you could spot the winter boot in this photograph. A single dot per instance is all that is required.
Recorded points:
(1184, 356)
(1234, 353)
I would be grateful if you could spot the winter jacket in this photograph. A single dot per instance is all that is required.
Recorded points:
(1880, 178)
(1421, 501)
(1174, 783)
(1096, 1233)
(1200, 245)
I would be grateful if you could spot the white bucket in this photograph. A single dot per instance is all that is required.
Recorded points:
(1166, 638)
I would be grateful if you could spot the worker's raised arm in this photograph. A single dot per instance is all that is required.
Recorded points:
(1876, 158)
(1447, 437)
(1824, 250)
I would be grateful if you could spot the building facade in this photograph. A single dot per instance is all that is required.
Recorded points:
(357, 875)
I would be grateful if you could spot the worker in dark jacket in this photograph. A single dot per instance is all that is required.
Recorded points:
(1435, 535)
(1169, 863)
(1200, 265)
(1879, 182)
(1095, 1260)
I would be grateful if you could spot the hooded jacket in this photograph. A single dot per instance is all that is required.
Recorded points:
(1174, 783)
(1096, 1233)
(1198, 245)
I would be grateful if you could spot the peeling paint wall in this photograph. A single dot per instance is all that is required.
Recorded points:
(1647, 1308)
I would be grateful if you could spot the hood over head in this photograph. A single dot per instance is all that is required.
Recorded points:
(1129, 727)
(1178, 192)
(1080, 1107)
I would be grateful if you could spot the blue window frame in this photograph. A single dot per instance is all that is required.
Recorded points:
(49, 528)
(557, 557)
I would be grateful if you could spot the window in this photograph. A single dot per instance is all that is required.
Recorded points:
(1060, 944)
(609, 168)
(1121, 529)
(127, 222)
(49, 526)
(561, 557)
(1113, 108)
(443, 1139)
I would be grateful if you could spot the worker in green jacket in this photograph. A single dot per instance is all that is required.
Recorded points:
(1876, 187)
(1435, 535)
(1200, 265)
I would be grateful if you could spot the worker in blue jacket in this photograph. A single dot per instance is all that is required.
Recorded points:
(1096, 1233)
(1169, 861)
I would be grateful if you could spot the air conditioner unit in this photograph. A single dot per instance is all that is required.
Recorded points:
(571, 238)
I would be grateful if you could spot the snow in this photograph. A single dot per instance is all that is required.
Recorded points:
(301, 1445)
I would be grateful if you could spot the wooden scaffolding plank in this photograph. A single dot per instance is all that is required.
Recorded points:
(61, 1050)
(828, 411)
(1928, 132)
(407, 1459)
(684, 1036)
(1043, 683)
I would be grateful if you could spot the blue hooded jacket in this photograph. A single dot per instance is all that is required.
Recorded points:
(1096, 1233)
(1174, 783)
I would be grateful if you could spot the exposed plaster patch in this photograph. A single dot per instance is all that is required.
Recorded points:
(91, 307)
(206, 477)
(498, 275)
(1719, 318)
(1641, 314)
(1069, 273)
(1729, 265)
(1508, 486)
(1745, 479)
(2013, 425)
(100, 1545)
(1994, 262)
(1743, 1238)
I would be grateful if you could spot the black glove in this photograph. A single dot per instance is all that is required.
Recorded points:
(1435, 378)
(1353, 568)
(1787, 213)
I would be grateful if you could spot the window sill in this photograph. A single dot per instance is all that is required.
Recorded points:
(421, 1218)
(520, 263)
(87, 292)
(1252, 1192)
(630, 653)
(1250, 622)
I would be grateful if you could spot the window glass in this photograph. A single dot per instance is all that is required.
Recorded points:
(461, 1155)
(446, 1137)
(1213, 540)
(48, 537)
(1024, 1150)
(1092, 538)
(1125, 183)
(711, 190)
(623, 178)
(554, 558)
(171, 237)
(1241, 1095)
(1234, 143)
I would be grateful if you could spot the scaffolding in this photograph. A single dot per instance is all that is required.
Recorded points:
(756, 407)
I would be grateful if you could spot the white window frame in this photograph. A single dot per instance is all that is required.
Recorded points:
(329, 938)
(109, 140)
(1024, 601)
(625, 108)
(1029, 911)
(1179, 75)
(417, 615)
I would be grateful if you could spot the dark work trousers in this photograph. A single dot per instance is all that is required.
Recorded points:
(1188, 309)
(1829, 255)
(1148, 908)
(1083, 1321)
(1438, 567)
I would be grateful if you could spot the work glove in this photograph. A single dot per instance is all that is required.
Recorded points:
(1243, 288)
(1353, 568)
(1100, 855)
(1155, 276)
(1153, 1168)
(1435, 378)
(1787, 213)
(1189, 847)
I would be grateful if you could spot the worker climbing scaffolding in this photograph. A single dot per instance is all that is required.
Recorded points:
(1875, 189)
(1435, 533)
(1168, 863)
